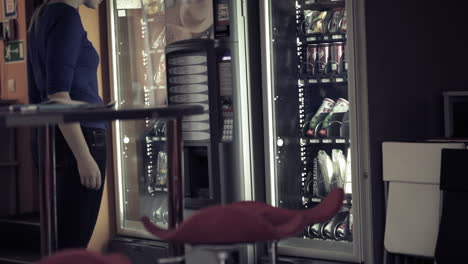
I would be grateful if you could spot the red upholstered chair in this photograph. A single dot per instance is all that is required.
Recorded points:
(83, 256)
(248, 222)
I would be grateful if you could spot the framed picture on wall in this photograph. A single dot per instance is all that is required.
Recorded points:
(9, 7)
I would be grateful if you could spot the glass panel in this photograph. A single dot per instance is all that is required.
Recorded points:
(311, 113)
(142, 29)
(140, 40)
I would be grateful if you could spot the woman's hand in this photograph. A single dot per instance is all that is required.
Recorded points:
(63, 101)
(90, 175)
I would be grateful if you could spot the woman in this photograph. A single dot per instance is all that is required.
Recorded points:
(62, 67)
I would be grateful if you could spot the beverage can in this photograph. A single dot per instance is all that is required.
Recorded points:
(311, 58)
(336, 54)
(323, 53)
(344, 62)
(322, 112)
(343, 24)
(341, 106)
(342, 229)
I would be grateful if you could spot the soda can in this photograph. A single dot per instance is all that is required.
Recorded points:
(335, 20)
(325, 108)
(343, 23)
(344, 62)
(341, 106)
(311, 58)
(323, 53)
(336, 54)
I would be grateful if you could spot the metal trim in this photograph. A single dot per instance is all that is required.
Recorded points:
(361, 131)
(244, 102)
(113, 70)
(268, 84)
(355, 117)
(357, 80)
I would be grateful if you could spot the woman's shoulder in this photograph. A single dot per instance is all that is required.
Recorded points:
(65, 14)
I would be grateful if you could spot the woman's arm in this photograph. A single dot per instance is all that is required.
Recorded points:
(89, 171)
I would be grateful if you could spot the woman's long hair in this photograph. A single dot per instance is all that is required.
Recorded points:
(36, 15)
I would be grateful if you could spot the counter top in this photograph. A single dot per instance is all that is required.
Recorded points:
(37, 115)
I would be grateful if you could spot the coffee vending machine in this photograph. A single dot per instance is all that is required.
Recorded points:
(199, 73)
(185, 52)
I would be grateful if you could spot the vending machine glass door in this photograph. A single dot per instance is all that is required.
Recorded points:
(309, 111)
(138, 76)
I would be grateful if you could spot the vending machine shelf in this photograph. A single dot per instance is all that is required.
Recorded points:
(319, 38)
(320, 5)
(308, 141)
(340, 80)
(307, 199)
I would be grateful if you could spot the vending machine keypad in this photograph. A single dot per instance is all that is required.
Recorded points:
(228, 124)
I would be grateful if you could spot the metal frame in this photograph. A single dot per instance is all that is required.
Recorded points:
(134, 228)
(243, 105)
(242, 99)
(47, 190)
(268, 83)
(244, 109)
(362, 149)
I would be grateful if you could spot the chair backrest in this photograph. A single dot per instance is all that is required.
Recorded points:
(412, 172)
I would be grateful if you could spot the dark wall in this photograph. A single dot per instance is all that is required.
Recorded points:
(404, 92)
(414, 53)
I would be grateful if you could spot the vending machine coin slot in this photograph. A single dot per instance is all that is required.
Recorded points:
(196, 172)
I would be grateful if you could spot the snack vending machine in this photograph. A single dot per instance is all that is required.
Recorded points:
(312, 123)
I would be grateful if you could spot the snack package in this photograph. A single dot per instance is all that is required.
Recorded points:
(325, 165)
(153, 7)
(339, 169)
(334, 24)
(315, 21)
(161, 169)
(348, 188)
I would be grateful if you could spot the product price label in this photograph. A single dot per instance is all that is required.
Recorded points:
(129, 4)
(336, 37)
